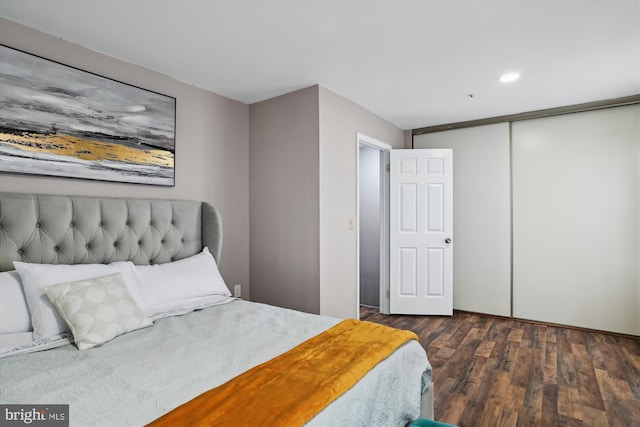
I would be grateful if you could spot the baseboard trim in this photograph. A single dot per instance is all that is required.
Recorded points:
(549, 324)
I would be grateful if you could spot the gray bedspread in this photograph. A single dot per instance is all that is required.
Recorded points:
(139, 376)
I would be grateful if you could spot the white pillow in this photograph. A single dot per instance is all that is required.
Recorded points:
(97, 310)
(191, 277)
(45, 318)
(14, 313)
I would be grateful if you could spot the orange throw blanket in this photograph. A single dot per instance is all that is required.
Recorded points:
(289, 390)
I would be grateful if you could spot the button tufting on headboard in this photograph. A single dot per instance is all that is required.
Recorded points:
(57, 229)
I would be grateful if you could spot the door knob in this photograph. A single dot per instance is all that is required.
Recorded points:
(447, 240)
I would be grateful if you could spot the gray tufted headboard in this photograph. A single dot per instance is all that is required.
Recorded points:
(53, 229)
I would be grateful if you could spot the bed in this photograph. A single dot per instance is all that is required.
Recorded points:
(188, 339)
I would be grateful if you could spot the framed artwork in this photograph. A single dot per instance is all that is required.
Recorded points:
(57, 120)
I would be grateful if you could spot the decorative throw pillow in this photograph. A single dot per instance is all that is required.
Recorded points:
(97, 310)
(45, 318)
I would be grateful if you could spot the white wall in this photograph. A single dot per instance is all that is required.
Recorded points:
(576, 215)
(284, 201)
(340, 121)
(481, 215)
(212, 146)
(369, 171)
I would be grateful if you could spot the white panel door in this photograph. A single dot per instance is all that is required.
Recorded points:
(421, 232)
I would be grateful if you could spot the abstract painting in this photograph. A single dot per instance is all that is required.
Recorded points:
(57, 120)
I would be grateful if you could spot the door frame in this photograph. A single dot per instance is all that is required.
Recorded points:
(385, 149)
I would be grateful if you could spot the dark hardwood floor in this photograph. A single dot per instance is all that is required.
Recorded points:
(490, 371)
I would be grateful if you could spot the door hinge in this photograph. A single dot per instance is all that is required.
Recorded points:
(389, 167)
(388, 294)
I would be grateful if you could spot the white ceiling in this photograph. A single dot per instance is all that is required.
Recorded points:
(413, 63)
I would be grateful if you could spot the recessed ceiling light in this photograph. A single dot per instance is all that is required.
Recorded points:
(509, 77)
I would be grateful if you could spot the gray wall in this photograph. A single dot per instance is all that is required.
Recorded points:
(303, 192)
(340, 122)
(369, 226)
(212, 146)
(408, 140)
(303, 177)
(284, 201)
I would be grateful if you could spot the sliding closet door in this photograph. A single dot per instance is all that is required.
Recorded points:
(576, 219)
(481, 215)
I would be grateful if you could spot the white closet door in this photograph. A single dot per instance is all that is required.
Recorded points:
(576, 219)
(481, 218)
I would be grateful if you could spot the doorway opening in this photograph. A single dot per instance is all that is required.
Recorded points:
(372, 223)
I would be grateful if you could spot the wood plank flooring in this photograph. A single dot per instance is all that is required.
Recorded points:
(490, 371)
